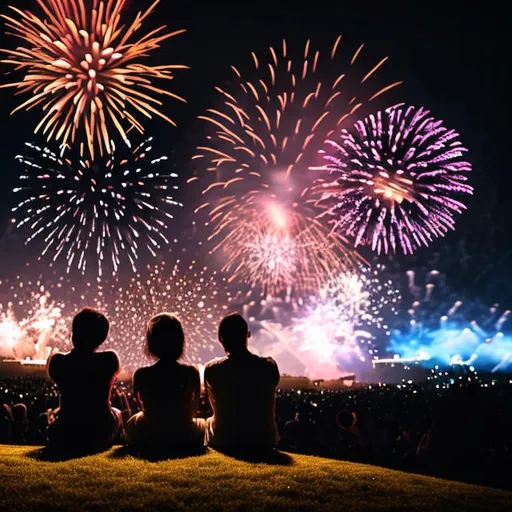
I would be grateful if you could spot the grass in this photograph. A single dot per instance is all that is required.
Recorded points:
(214, 482)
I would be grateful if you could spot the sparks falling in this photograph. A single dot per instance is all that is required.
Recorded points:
(96, 216)
(86, 71)
(195, 294)
(395, 180)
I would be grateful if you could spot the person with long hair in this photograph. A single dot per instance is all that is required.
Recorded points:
(169, 393)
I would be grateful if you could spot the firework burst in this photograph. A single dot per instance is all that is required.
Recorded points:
(32, 323)
(340, 326)
(86, 71)
(82, 211)
(277, 119)
(268, 125)
(276, 248)
(395, 180)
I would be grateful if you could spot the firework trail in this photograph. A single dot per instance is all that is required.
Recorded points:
(395, 180)
(83, 211)
(86, 71)
(32, 323)
(267, 126)
(441, 328)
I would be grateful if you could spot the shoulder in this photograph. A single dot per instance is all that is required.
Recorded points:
(268, 362)
(218, 361)
(55, 363)
(214, 366)
(109, 358)
(270, 368)
(56, 359)
(189, 369)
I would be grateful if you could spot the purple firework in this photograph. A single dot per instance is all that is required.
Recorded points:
(393, 180)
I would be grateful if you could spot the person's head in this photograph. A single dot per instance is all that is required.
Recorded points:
(5, 411)
(19, 416)
(234, 333)
(90, 330)
(346, 419)
(165, 338)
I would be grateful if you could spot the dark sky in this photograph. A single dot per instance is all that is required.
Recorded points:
(452, 57)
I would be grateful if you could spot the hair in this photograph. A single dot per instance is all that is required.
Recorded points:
(165, 338)
(233, 331)
(345, 419)
(90, 329)
(19, 413)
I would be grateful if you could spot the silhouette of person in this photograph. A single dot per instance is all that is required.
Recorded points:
(242, 391)
(85, 420)
(19, 423)
(5, 424)
(169, 392)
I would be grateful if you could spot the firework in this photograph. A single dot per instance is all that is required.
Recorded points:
(274, 248)
(267, 129)
(276, 119)
(341, 327)
(193, 293)
(108, 213)
(440, 327)
(86, 70)
(32, 323)
(395, 180)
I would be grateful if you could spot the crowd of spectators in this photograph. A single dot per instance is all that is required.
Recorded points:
(461, 431)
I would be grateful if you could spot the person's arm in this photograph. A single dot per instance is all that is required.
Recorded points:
(53, 367)
(276, 377)
(115, 364)
(207, 387)
(136, 387)
(196, 390)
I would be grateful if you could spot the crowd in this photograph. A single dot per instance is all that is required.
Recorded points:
(459, 430)
(468, 427)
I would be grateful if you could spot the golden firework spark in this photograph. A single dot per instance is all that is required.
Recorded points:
(86, 70)
(280, 116)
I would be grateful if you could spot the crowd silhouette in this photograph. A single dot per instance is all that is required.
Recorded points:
(457, 427)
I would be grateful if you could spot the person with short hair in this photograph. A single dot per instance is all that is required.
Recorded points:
(242, 391)
(19, 423)
(169, 392)
(85, 420)
(5, 424)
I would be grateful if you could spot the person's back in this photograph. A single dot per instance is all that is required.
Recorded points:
(19, 423)
(5, 424)
(85, 381)
(241, 388)
(85, 378)
(168, 392)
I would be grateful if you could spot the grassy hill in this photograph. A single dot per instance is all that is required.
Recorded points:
(215, 482)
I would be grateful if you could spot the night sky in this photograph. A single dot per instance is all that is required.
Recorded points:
(453, 59)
